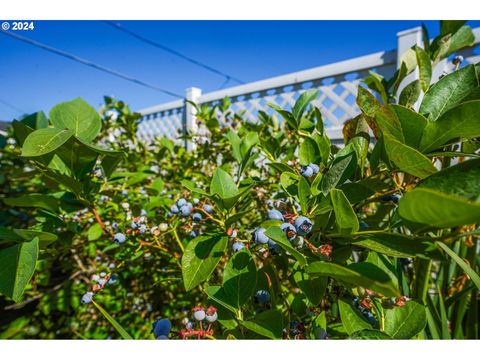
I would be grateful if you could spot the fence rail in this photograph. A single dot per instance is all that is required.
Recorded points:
(337, 84)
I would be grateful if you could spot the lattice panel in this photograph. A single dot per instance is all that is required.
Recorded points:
(166, 123)
(336, 98)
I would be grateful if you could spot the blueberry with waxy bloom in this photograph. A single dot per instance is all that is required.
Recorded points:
(315, 168)
(275, 215)
(87, 298)
(237, 246)
(119, 238)
(289, 230)
(259, 236)
(306, 171)
(181, 202)
(303, 225)
(197, 217)
(208, 208)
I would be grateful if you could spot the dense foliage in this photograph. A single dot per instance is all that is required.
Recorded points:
(262, 230)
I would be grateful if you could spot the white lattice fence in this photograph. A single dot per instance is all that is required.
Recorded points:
(160, 123)
(337, 84)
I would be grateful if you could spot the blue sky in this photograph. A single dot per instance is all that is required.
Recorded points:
(33, 79)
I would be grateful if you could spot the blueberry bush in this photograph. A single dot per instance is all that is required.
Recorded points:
(262, 229)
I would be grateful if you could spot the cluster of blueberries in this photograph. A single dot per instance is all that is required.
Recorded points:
(185, 208)
(162, 327)
(365, 312)
(295, 232)
(101, 281)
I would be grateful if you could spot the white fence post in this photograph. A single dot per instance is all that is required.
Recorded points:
(190, 123)
(405, 40)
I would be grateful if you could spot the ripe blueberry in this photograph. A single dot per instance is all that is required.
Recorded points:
(197, 217)
(306, 171)
(185, 210)
(259, 236)
(237, 246)
(87, 297)
(161, 327)
(143, 212)
(289, 230)
(174, 209)
(193, 234)
(181, 202)
(303, 225)
(262, 297)
(363, 225)
(113, 279)
(133, 225)
(143, 229)
(275, 215)
(315, 168)
(208, 208)
(119, 238)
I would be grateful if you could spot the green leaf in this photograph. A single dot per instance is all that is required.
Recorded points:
(405, 322)
(342, 168)
(377, 82)
(240, 278)
(345, 217)
(412, 124)
(367, 102)
(268, 324)
(460, 262)
(461, 179)
(34, 200)
(44, 238)
(410, 94)
(217, 294)
(94, 232)
(308, 151)
(36, 120)
(389, 123)
(448, 44)
(277, 235)
(123, 333)
(460, 122)
(301, 104)
(359, 274)
(44, 141)
(200, 258)
(312, 286)
(394, 244)
(303, 193)
(18, 264)
(77, 116)
(223, 185)
(450, 26)
(433, 208)
(449, 92)
(408, 159)
(352, 320)
(369, 334)
(425, 68)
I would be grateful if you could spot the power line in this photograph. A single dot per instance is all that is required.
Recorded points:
(11, 106)
(88, 63)
(174, 52)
